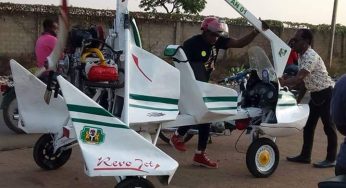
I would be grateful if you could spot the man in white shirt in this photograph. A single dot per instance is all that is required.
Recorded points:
(313, 72)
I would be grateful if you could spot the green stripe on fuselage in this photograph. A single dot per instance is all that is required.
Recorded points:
(154, 99)
(88, 110)
(220, 99)
(100, 123)
(288, 104)
(224, 108)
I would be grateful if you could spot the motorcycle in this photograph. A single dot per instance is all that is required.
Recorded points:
(73, 69)
(9, 106)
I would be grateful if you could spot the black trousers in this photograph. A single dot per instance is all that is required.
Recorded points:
(320, 107)
(203, 134)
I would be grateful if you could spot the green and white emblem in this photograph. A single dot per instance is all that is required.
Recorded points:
(92, 135)
(282, 52)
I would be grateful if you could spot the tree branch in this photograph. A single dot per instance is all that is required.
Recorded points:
(162, 3)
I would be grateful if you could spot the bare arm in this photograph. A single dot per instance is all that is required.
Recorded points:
(296, 80)
(239, 43)
(302, 91)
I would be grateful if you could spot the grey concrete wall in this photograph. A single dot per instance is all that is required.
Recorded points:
(18, 33)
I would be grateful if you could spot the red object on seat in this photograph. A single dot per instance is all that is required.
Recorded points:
(102, 73)
(3, 87)
(242, 124)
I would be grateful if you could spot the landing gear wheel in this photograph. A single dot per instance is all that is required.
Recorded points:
(262, 157)
(135, 182)
(44, 156)
(166, 136)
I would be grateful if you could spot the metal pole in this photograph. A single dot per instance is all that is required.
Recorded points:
(331, 47)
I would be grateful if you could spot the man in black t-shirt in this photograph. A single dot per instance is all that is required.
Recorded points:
(201, 51)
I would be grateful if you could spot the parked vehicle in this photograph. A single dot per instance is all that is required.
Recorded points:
(157, 95)
(9, 105)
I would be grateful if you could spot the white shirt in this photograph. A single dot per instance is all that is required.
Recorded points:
(318, 79)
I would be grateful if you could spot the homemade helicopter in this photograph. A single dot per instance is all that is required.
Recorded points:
(156, 95)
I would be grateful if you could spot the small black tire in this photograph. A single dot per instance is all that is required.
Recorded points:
(44, 156)
(166, 136)
(8, 111)
(262, 157)
(134, 182)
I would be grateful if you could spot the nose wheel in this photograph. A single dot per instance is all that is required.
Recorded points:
(44, 154)
(135, 182)
(262, 157)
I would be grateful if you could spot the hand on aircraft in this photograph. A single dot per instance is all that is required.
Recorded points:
(282, 81)
(265, 26)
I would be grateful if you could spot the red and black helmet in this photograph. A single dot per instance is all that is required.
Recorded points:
(214, 25)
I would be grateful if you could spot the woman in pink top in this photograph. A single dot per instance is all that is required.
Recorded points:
(46, 42)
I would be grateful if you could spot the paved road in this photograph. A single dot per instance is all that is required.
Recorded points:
(3, 128)
(18, 169)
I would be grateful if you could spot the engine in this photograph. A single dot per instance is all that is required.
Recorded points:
(259, 93)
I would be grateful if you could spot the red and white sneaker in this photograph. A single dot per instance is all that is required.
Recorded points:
(177, 142)
(201, 159)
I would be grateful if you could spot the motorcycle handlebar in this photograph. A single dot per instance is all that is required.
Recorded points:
(236, 77)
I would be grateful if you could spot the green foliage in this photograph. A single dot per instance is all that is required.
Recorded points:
(174, 6)
(235, 70)
(340, 29)
(237, 21)
(274, 23)
(193, 6)
(165, 18)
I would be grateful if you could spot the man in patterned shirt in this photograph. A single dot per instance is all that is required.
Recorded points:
(313, 73)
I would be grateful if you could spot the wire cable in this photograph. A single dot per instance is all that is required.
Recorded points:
(236, 143)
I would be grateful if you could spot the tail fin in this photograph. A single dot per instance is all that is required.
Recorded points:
(154, 87)
(204, 101)
(29, 92)
(110, 147)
